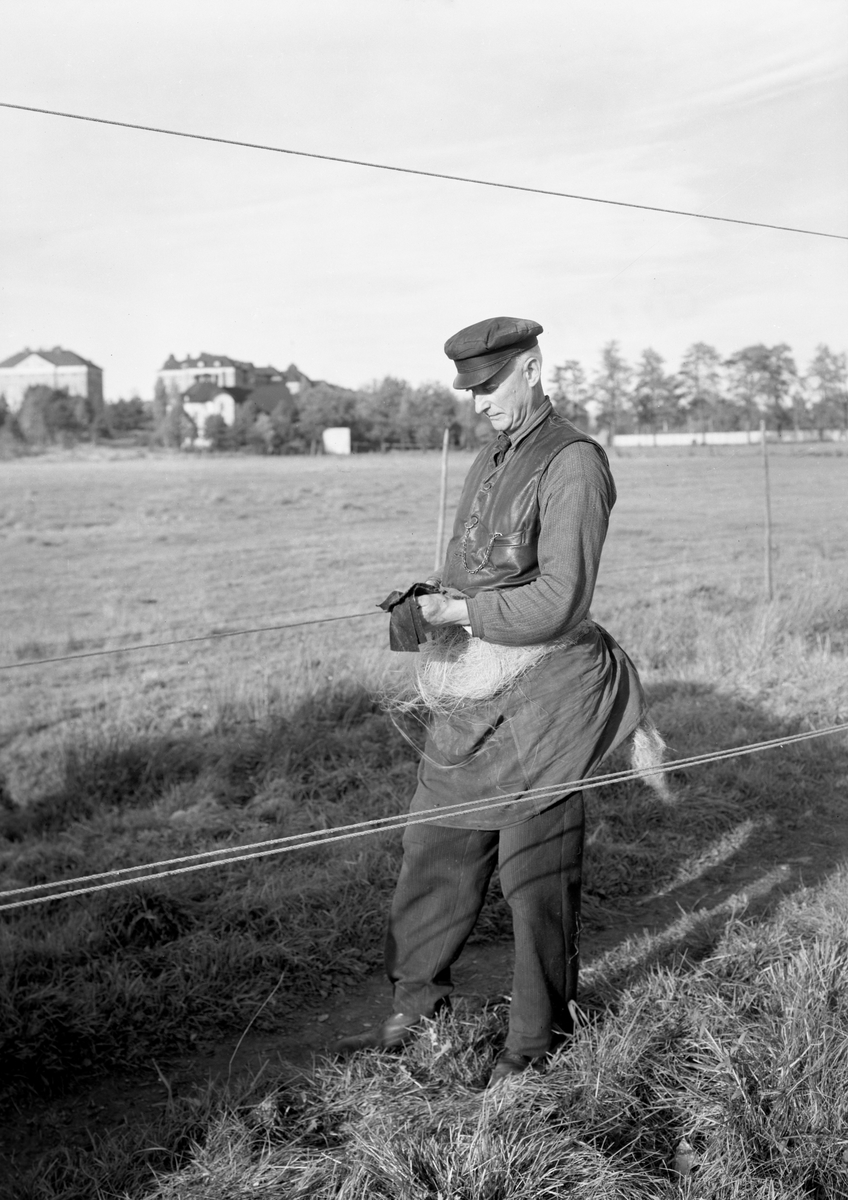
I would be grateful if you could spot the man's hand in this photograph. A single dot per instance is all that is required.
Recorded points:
(439, 609)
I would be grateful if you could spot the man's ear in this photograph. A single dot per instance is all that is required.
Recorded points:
(533, 369)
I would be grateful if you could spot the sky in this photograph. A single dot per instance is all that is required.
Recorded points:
(127, 246)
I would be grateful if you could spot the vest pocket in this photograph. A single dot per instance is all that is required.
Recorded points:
(480, 548)
(511, 555)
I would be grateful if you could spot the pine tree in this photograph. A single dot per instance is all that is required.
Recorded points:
(700, 386)
(762, 379)
(655, 398)
(570, 392)
(827, 381)
(612, 390)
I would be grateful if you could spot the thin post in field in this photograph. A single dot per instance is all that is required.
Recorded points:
(443, 502)
(767, 510)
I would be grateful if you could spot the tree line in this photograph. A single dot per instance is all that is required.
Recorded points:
(706, 393)
(385, 414)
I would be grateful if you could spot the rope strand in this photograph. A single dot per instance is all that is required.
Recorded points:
(228, 633)
(206, 637)
(380, 824)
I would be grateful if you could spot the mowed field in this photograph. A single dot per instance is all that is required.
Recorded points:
(108, 551)
(140, 756)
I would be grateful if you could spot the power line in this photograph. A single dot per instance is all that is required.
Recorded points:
(357, 162)
(320, 837)
(206, 637)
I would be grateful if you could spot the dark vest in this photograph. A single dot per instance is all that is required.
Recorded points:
(496, 531)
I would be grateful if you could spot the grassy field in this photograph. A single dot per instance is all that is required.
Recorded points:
(108, 761)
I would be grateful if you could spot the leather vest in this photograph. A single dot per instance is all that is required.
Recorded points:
(496, 531)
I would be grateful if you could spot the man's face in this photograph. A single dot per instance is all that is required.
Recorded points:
(506, 399)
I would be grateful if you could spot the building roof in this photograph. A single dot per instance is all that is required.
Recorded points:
(58, 356)
(204, 360)
(202, 392)
(293, 374)
(268, 396)
(205, 390)
(269, 374)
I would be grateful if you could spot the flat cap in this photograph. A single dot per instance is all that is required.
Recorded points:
(479, 351)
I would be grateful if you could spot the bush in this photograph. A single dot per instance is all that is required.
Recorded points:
(50, 415)
(217, 432)
(127, 416)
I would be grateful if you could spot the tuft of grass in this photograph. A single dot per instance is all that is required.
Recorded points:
(723, 1081)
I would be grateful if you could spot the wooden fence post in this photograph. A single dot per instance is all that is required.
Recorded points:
(767, 509)
(443, 502)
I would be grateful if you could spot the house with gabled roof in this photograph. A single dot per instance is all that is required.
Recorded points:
(205, 399)
(178, 375)
(217, 385)
(230, 374)
(58, 368)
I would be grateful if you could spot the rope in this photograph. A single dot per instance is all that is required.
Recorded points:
(206, 637)
(320, 837)
(356, 162)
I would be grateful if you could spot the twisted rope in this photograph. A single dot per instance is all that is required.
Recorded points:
(205, 637)
(320, 837)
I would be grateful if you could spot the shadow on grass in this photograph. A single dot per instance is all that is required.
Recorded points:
(109, 980)
(664, 884)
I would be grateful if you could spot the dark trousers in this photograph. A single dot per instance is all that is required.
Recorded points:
(439, 895)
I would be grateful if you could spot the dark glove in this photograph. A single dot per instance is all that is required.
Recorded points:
(407, 627)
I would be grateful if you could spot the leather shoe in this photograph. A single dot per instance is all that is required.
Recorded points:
(507, 1065)
(395, 1031)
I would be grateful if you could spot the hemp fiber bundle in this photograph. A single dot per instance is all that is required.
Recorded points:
(453, 668)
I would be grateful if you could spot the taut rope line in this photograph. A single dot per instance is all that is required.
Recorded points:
(205, 637)
(320, 837)
(228, 633)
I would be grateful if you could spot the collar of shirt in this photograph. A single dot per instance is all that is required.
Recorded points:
(536, 417)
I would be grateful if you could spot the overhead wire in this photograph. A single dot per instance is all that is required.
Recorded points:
(320, 837)
(378, 166)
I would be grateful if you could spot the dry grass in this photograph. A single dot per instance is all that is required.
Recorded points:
(725, 1081)
(119, 760)
(142, 982)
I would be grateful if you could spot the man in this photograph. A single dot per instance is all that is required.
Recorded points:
(519, 571)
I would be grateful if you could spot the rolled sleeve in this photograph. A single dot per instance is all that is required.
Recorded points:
(576, 495)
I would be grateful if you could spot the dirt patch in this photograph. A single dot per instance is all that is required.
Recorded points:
(752, 882)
